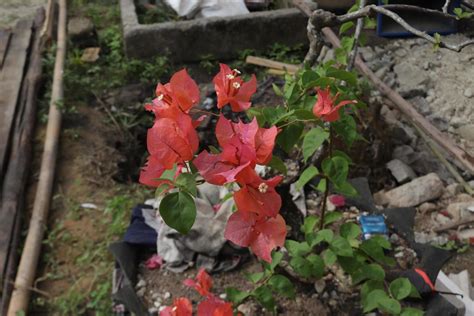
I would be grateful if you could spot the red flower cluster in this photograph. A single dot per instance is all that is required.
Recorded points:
(211, 306)
(173, 138)
(231, 89)
(258, 204)
(326, 108)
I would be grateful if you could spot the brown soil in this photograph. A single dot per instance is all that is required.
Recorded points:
(162, 281)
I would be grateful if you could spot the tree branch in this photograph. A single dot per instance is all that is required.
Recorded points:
(446, 6)
(316, 43)
(358, 30)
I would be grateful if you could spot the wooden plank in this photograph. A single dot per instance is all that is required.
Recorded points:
(4, 41)
(14, 183)
(11, 77)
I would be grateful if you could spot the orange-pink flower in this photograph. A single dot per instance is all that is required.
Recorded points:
(326, 107)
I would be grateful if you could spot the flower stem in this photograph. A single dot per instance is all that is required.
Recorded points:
(326, 191)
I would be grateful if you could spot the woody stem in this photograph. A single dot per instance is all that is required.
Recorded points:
(326, 190)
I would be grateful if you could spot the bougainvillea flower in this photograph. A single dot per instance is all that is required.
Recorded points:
(215, 170)
(151, 172)
(202, 283)
(258, 195)
(325, 107)
(154, 262)
(181, 307)
(337, 200)
(213, 306)
(248, 141)
(231, 89)
(179, 95)
(262, 234)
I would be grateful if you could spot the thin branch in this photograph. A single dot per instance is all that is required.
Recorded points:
(358, 30)
(467, 5)
(446, 6)
(316, 43)
(321, 19)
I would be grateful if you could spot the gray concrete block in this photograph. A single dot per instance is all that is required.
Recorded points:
(223, 38)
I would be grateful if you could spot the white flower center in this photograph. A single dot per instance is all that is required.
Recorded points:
(263, 187)
(230, 76)
(236, 85)
(160, 97)
(236, 71)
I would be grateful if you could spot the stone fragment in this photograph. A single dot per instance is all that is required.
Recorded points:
(419, 190)
(452, 190)
(401, 171)
(405, 153)
(411, 78)
(319, 286)
(466, 132)
(459, 210)
(468, 93)
(81, 31)
(380, 198)
(427, 207)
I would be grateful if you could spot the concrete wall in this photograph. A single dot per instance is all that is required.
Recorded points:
(223, 38)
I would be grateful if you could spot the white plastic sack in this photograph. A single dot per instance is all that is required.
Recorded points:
(208, 8)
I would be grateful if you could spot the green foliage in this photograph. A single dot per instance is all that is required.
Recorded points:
(178, 211)
(460, 14)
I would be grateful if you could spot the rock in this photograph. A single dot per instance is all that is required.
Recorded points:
(424, 238)
(167, 295)
(401, 52)
(367, 53)
(466, 132)
(459, 210)
(381, 72)
(468, 93)
(466, 234)
(82, 32)
(411, 78)
(419, 190)
(427, 207)
(380, 198)
(452, 190)
(141, 292)
(141, 283)
(400, 171)
(421, 104)
(223, 296)
(248, 308)
(405, 153)
(319, 286)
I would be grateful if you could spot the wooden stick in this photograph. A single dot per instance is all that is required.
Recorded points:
(16, 176)
(403, 105)
(272, 64)
(31, 251)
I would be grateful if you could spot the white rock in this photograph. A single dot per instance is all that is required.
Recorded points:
(141, 283)
(459, 210)
(468, 93)
(417, 191)
(401, 171)
(427, 207)
(319, 286)
(466, 234)
(167, 295)
(223, 296)
(141, 292)
(466, 131)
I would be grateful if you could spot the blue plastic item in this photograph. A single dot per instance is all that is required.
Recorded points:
(373, 225)
(430, 23)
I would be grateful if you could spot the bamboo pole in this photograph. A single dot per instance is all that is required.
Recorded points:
(31, 251)
(272, 64)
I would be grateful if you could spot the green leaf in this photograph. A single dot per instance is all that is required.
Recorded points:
(313, 140)
(317, 263)
(277, 164)
(370, 23)
(303, 114)
(414, 292)
(336, 169)
(213, 150)
(389, 305)
(169, 174)
(164, 187)
(297, 248)
(321, 187)
(264, 296)
(374, 250)
(309, 224)
(290, 136)
(341, 247)
(282, 285)
(346, 127)
(277, 90)
(342, 155)
(326, 235)
(255, 277)
(346, 189)
(308, 174)
(276, 259)
(347, 76)
(371, 271)
(400, 288)
(308, 77)
(372, 300)
(350, 231)
(329, 257)
(345, 27)
(236, 296)
(178, 210)
(187, 182)
(301, 266)
(332, 217)
(274, 115)
(368, 287)
(410, 311)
